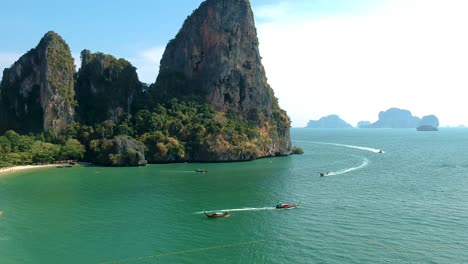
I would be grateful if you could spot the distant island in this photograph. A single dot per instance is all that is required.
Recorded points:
(210, 103)
(428, 123)
(361, 124)
(395, 118)
(401, 118)
(430, 120)
(331, 121)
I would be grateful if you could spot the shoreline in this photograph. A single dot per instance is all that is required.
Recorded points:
(10, 170)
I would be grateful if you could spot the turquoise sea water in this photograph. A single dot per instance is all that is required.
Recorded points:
(407, 205)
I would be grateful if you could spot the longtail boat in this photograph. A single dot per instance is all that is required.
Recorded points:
(217, 214)
(286, 206)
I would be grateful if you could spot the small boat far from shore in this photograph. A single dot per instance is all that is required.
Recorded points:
(286, 206)
(217, 214)
(323, 174)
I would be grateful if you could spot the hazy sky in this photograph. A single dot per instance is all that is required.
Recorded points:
(353, 58)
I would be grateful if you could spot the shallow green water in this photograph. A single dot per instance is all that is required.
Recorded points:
(407, 205)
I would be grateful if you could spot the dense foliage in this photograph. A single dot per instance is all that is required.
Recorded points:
(297, 150)
(171, 132)
(18, 149)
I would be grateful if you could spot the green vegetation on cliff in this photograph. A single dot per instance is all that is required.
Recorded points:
(186, 131)
(297, 151)
(211, 101)
(37, 91)
(214, 59)
(60, 65)
(119, 151)
(172, 132)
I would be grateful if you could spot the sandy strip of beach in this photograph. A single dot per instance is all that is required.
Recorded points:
(9, 170)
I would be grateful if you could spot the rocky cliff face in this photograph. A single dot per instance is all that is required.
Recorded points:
(331, 121)
(120, 151)
(37, 92)
(105, 87)
(215, 59)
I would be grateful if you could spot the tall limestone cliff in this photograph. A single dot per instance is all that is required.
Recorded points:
(37, 92)
(105, 87)
(215, 59)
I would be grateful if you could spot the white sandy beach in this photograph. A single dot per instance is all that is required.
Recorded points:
(4, 171)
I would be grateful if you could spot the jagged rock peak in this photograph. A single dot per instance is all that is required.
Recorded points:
(51, 36)
(215, 58)
(37, 92)
(105, 87)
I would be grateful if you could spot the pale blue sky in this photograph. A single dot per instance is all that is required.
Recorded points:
(353, 58)
(113, 26)
(122, 28)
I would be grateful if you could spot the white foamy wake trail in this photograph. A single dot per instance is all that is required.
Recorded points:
(238, 210)
(364, 164)
(348, 146)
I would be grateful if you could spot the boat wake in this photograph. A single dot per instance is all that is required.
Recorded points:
(239, 210)
(350, 146)
(364, 164)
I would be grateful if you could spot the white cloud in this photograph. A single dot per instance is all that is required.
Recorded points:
(6, 60)
(147, 63)
(410, 54)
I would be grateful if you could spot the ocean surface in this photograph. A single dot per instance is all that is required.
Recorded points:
(406, 205)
